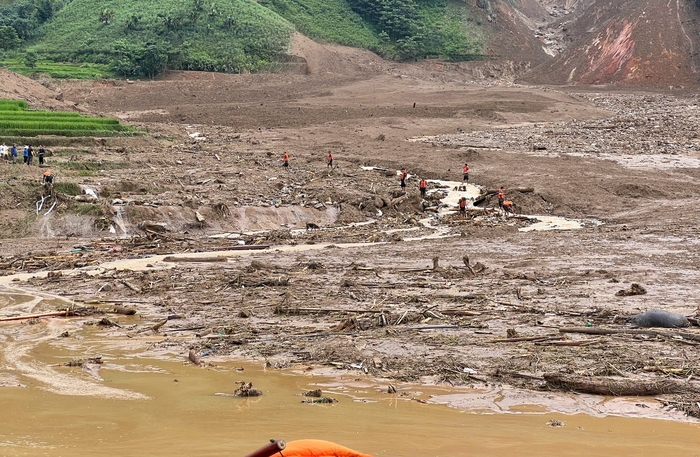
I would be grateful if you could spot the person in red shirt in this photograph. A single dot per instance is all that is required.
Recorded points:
(404, 175)
(423, 186)
(465, 173)
(285, 162)
(330, 159)
(463, 206)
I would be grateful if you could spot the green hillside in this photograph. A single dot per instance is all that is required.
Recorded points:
(144, 37)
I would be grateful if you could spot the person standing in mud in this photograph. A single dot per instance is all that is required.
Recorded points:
(3, 152)
(285, 161)
(26, 153)
(30, 154)
(465, 173)
(501, 195)
(423, 186)
(42, 152)
(330, 159)
(13, 153)
(463, 207)
(404, 175)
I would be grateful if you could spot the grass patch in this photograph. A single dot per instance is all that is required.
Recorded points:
(61, 70)
(327, 20)
(13, 105)
(87, 209)
(67, 188)
(85, 173)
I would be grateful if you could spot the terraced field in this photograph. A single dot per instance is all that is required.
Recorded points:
(17, 120)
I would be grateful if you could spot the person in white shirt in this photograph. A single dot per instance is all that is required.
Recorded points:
(3, 152)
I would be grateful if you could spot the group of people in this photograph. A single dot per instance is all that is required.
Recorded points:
(507, 206)
(9, 153)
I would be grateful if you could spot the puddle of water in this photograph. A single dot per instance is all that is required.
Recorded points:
(546, 223)
(183, 417)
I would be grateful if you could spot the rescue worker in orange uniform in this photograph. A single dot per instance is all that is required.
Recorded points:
(285, 162)
(501, 195)
(404, 175)
(48, 177)
(463, 206)
(509, 207)
(465, 173)
(423, 186)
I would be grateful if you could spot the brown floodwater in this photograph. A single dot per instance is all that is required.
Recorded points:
(144, 401)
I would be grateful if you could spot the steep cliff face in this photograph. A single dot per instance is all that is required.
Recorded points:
(632, 42)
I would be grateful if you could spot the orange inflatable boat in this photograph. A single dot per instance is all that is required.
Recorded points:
(318, 448)
(306, 448)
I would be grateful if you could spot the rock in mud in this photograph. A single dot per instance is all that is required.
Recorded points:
(660, 318)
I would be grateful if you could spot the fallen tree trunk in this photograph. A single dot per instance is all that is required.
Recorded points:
(172, 258)
(619, 386)
(630, 331)
(34, 316)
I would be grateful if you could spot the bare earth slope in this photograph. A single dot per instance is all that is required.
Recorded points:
(632, 42)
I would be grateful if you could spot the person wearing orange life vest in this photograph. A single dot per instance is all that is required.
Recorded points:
(330, 159)
(404, 175)
(465, 173)
(463, 206)
(501, 195)
(48, 177)
(509, 207)
(423, 186)
(285, 162)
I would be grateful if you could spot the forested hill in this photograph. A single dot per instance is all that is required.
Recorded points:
(144, 37)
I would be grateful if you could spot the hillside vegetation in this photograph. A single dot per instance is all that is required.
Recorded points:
(143, 38)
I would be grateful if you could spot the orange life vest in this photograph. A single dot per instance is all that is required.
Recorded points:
(501, 194)
(462, 204)
(286, 157)
(318, 448)
(466, 169)
(47, 173)
(423, 184)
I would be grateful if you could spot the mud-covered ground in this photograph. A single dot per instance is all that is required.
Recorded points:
(372, 297)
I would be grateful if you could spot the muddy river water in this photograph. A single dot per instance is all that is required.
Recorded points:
(149, 402)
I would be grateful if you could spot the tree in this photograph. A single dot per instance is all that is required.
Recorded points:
(30, 59)
(133, 21)
(44, 10)
(150, 59)
(8, 38)
(106, 16)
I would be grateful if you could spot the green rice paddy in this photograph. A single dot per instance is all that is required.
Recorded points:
(17, 120)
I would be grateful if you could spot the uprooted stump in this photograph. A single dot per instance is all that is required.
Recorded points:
(246, 389)
(611, 386)
(317, 393)
(635, 289)
(321, 400)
